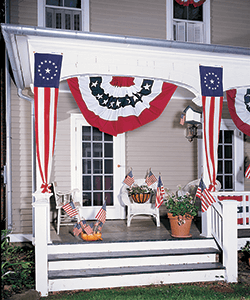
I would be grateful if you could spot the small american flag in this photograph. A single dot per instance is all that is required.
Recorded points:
(159, 193)
(247, 173)
(101, 215)
(207, 199)
(200, 189)
(129, 179)
(77, 229)
(182, 120)
(88, 229)
(70, 209)
(150, 179)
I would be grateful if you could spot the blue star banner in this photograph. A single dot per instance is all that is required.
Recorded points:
(211, 81)
(47, 70)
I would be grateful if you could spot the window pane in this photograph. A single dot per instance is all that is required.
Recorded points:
(97, 135)
(97, 166)
(86, 166)
(195, 13)
(86, 133)
(49, 18)
(220, 179)
(97, 149)
(108, 150)
(58, 20)
(86, 150)
(109, 198)
(54, 2)
(220, 154)
(228, 182)
(180, 11)
(220, 167)
(97, 182)
(108, 182)
(228, 167)
(76, 21)
(228, 136)
(67, 21)
(108, 166)
(108, 137)
(220, 137)
(97, 199)
(72, 3)
(86, 183)
(188, 12)
(86, 199)
(228, 152)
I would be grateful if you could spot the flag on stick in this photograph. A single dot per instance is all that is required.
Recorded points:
(77, 229)
(159, 193)
(101, 215)
(150, 179)
(200, 189)
(182, 120)
(129, 179)
(247, 173)
(70, 209)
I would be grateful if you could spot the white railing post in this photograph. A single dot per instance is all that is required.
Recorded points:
(230, 251)
(42, 237)
(206, 223)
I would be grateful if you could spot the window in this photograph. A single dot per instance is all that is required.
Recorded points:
(64, 14)
(188, 23)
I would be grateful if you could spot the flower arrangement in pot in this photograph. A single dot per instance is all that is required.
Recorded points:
(140, 193)
(181, 211)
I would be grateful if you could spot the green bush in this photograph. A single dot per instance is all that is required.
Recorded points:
(17, 267)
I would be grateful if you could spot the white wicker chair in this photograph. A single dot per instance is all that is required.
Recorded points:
(135, 209)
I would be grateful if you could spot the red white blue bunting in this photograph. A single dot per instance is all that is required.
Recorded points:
(195, 3)
(119, 104)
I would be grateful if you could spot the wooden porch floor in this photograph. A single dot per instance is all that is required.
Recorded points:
(141, 229)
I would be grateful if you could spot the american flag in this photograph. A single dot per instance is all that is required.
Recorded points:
(150, 179)
(207, 199)
(101, 215)
(159, 193)
(129, 179)
(70, 209)
(212, 101)
(77, 229)
(47, 70)
(247, 173)
(182, 120)
(83, 224)
(88, 229)
(200, 189)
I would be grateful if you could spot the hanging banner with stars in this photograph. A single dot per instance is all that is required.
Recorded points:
(238, 102)
(212, 102)
(119, 104)
(46, 86)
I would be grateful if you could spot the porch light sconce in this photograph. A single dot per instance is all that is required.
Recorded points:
(192, 118)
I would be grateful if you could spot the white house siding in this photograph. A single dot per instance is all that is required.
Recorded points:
(23, 12)
(144, 18)
(230, 22)
(162, 146)
(21, 163)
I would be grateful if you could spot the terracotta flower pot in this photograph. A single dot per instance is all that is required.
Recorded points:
(140, 198)
(180, 225)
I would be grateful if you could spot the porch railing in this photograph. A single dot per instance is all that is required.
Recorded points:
(229, 213)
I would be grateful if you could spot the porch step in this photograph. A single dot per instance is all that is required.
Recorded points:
(126, 264)
(131, 258)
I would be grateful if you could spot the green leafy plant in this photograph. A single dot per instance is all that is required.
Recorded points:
(180, 205)
(139, 189)
(246, 248)
(17, 267)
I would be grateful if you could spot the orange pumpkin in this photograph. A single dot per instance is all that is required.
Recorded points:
(91, 237)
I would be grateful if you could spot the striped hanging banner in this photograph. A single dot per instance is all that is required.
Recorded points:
(46, 88)
(212, 101)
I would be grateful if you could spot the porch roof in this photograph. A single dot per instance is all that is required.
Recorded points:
(95, 53)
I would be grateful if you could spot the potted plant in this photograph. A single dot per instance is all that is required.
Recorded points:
(140, 193)
(181, 211)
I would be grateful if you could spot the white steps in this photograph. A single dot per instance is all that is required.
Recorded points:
(101, 265)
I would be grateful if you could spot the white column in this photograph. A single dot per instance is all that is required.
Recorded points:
(206, 223)
(41, 207)
(230, 251)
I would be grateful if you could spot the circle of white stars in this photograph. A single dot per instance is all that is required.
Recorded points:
(211, 81)
(47, 69)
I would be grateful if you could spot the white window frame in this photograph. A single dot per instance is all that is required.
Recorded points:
(41, 8)
(206, 21)
(228, 124)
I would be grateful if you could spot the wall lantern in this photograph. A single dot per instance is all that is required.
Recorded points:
(192, 118)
